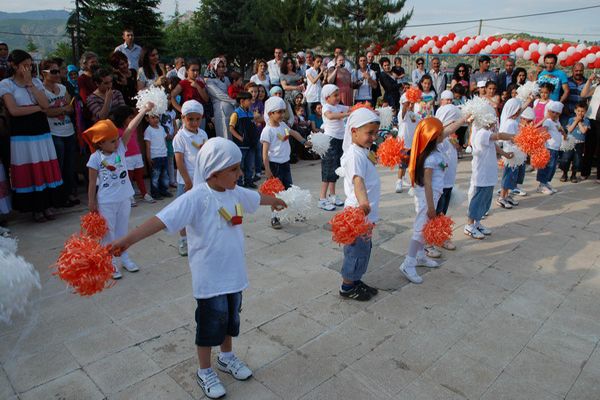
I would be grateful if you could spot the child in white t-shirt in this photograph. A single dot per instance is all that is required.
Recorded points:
(155, 137)
(363, 189)
(557, 132)
(407, 123)
(213, 213)
(333, 126)
(186, 144)
(276, 146)
(509, 124)
(109, 187)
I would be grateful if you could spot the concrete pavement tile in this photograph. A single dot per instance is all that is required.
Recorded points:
(560, 345)
(73, 386)
(150, 323)
(462, 375)
(99, 343)
(122, 301)
(507, 387)
(28, 371)
(347, 384)
(509, 280)
(300, 290)
(156, 387)
(257, 349)
(584, 304)
(387, 277)
(260, 310)
(184, 374)
(6, 388)
(549, 374)
(331, 309)
(568, 319)
(121, 370)
(251, 389)
(304, 329)
(532, 300)
(171, 348)
(425, 388)
(586, 387)
(400, 307)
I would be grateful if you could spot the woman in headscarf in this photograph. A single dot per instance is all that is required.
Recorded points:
(223, 105)
(72, 86)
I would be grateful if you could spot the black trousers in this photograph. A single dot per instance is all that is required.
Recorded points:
(591, 150)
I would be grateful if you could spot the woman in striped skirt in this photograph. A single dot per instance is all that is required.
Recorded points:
(34, 169)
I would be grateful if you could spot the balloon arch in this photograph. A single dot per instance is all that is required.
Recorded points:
(532, 50)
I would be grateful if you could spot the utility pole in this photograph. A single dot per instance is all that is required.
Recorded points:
(479, 30)
(78, 30)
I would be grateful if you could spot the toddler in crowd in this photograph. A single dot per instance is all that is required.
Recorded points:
(237, 85)
(155, 137)
(244, 134)
(577, 126)
(552, 124)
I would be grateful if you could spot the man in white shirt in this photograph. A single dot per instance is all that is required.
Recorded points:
(438, 77)
(336, 52)
(130, 49)
(274, 66)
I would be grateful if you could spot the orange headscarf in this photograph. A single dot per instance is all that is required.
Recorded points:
(427, 130)
(100, 131)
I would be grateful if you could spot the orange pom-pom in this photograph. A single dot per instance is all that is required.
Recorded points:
(540, 158)
(389, 152)
(365, 104)
(413, 94)
(94, 225)
(438, 230)
(85, 265)
(349, 225)
(271, 187)
(531, 139)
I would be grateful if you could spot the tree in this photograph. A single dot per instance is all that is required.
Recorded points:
(62, 50)
(31, 47)
(357, 24)
(177, 34)
(142, 17)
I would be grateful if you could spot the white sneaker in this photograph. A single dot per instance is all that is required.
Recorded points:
(117, 274)
(130, 266)
(512, 201)
(211, 385)
(549, 186)
(432, 252)
(183, 251)
(399, 186)
(133, 202)
(484, 230)
(410, 272)
(544, 190)
(519, 192)
(324, 204)
(503, 203)
(236, 367)
(472, 231)
(424, 261)
(149, 199)
(335, 200)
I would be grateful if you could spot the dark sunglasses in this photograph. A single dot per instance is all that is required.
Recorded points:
(53, 71)
(419, 63)
(461, 70)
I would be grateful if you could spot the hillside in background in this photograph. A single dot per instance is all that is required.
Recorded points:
(49, 24)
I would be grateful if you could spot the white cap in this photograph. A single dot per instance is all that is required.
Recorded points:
(192, 106)
(528, 113)
(301, 54)
(446, 95)
(555, 106)
(481, 84)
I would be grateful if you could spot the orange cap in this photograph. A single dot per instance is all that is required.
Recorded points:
(100, 131)
(427, 130)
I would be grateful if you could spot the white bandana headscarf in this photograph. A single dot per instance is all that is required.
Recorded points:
(217, 154)
(273, 104)
(327, 91)
(511, 107)
(448, 113)
(359, 117)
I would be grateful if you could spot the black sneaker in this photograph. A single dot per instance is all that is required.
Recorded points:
(358, 292)
(371, 290)
(564, 177)
(275, 224)
(166, 194)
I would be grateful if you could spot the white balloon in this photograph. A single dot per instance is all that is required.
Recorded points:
(495, 45)
(590, 58)
(445, 48)
(533, 47)
(542, 48)
(435, 50)
(580, 47)
(562, 56)
(519, 52)
(431, 42)
(598, 54)
(482, 51)
(551, 46)
(571, 50)
(450, 43)
(512, 41)
(503, 41)
(527, 55)
(471, 42)
(410, 42)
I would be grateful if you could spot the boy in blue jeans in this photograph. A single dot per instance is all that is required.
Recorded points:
(578, 126)
(156, 152)
(245, 134)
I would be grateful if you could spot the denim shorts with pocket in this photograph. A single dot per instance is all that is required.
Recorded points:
(216, 318)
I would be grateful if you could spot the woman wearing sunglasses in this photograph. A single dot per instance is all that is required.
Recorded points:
(419, 72)
(461, 77)
(61, 127)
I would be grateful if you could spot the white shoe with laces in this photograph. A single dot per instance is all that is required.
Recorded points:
(519, 192)
(472, 231)
(544, 190)
(484, 230)
(130, 266)
(432, 252)
(409, 271)
(335, 200)
(149, 199)
(234, 366)
(399, 187)
(117, 274)
(549, 186)
(424, 261)
(324, 204)
(211, 385)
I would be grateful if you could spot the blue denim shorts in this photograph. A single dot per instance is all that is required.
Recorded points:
(480, 202)
(356, 259)
(510, 177)
(216, 318)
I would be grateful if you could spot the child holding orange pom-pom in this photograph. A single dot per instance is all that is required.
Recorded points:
(407, 123)
(556, 131)
(212, 211)
(110, 189)
(362, 188)
(276, 146)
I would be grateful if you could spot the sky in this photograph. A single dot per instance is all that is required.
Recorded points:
(579, 25)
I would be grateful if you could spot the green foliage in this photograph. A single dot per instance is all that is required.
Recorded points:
(63, 50)
(31, 47)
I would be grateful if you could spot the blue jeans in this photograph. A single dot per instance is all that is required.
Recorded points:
(66, 148)
(480, 202)
(544, 176)
(574, 156)
(356, 259)
(160, 176)
(283, 172)
(521, 174)
(444, 201)
(248, 164)
(217, 317)
(510, 177)
(258, 161)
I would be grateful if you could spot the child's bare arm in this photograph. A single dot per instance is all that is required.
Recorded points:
(180, 162)
(148, 228)
(275, 202)
(336, 115)
(427, 185)
(235, 133)
(265, 156)
(361, 194)
(135, 122)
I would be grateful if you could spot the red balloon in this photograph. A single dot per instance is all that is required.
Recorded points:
(535, 56)
(451, 35)
(439, 44)
(435, 38)
(576, 56)
(514, 46)
(563, 63)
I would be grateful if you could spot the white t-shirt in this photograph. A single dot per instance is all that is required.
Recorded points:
(509, 126)
(438, 163)
(555, 136)
(20, 93)
(333, 127)
(408, 124)
(364, 91)
(156, 137)
(188, 143)
(113, 183)
(274, 71)
(355, 162)
(215, 248)
(59, 126)
(447, 149)
(279, 150)
(313, 90)
(266, 83)
(484, 164)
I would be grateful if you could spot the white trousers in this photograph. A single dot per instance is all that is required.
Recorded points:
(421, 210)
(117, 217)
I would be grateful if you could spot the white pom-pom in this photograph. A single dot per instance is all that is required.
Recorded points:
(320, 143)
(458, 197)
(518, 159)
(339, 171)
(386, 116)
(8, 244)
(530, 88)
(17, 279)
(483, 113)
(569, 144)
(155, 95)
(298, 202)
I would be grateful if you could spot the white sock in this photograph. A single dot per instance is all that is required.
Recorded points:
(204, 372)
(421, 254)
(410, 261)
(226, 355)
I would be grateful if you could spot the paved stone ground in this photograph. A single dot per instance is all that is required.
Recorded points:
(515, 316)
